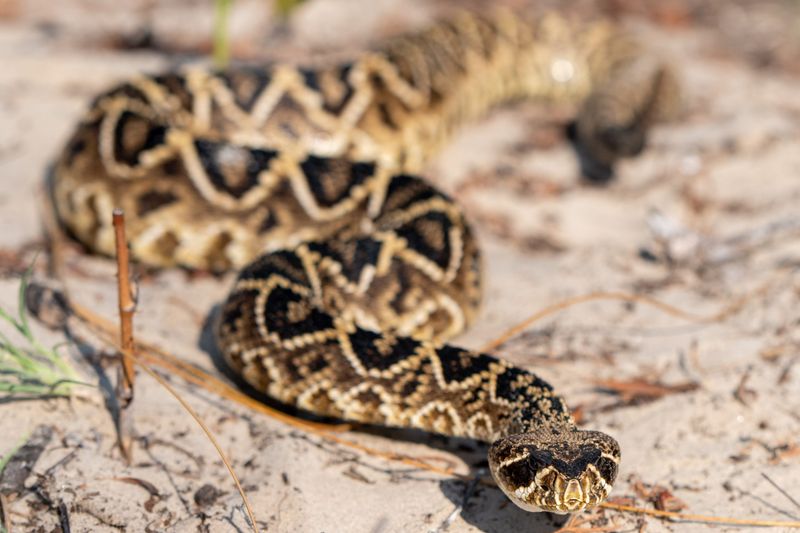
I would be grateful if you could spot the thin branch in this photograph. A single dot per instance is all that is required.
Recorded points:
(126, 344)
(155, 356)
(686, 517)
(152, 355)
(5, 513)
(612, 295)
(127, 307)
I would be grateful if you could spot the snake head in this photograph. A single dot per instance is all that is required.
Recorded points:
(558, 471)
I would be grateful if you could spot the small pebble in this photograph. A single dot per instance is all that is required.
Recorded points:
(207, 495)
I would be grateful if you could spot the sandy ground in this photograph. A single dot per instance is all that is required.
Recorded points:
(706, 219)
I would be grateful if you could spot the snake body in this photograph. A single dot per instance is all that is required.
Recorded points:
(355, 271)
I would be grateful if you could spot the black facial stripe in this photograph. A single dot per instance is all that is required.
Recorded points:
(517, 474)
(607, 469)
(575, 467)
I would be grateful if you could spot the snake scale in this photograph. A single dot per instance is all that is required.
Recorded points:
(354, 271)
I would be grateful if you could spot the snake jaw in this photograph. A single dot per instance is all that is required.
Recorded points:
(561, 495)
(554, 472)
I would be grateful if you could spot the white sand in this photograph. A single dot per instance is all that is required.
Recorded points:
(730, 165)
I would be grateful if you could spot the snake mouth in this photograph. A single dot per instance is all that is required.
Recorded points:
(560, 495)
(574, 505)
(569, 495)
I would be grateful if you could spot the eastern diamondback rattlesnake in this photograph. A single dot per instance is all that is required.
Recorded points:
(368, 269)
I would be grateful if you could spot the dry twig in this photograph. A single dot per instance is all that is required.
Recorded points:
(5, 514)
(127, 307)
(125, 382)
(151, 355)
(639, 390)
(621, 296)
(661, 497)
(686, 517)
(742, 394)
(155, 356)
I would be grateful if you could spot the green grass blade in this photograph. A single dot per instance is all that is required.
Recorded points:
(28, 367)
(21, 307)
(7, 457)
(285, 7)
(222, 51)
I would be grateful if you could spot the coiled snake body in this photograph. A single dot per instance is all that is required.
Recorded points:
(366, 269)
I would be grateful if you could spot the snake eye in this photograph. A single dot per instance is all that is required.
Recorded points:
(538, 459)
(607, 469)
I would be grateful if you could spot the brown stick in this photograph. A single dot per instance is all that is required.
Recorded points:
(153, 355)
(127, 307)
(5, 513)
(686, 517)
(147, 354)
(520, 327)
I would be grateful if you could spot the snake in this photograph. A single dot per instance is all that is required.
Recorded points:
(353, 271)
